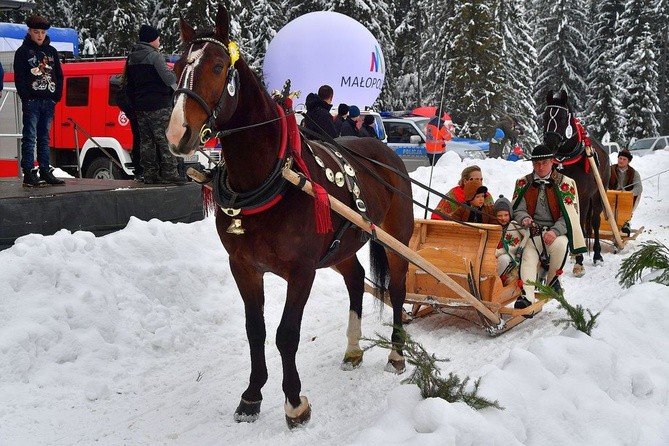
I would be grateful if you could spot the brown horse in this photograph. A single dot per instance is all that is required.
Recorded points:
(565, 136)
(279, 222)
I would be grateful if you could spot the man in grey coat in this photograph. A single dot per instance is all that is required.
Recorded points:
(150, 85)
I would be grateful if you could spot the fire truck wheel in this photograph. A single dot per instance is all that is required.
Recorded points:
(103, 169)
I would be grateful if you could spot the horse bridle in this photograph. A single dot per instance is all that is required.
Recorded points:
(186, 82)
(552, 124)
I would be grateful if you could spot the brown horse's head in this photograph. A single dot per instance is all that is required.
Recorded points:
(208, 86)
(558, 121)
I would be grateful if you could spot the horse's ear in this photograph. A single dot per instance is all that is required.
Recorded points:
(187, 31)
(222, 24)
(563, 96)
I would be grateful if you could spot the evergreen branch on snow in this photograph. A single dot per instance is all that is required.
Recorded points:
(652, 255)
(427, 376)
(576, 316)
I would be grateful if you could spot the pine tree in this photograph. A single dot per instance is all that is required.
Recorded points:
(659, 19)
(406, 68)
(638, 70)
(518, 59)
(562, 50)
(474, 68)
(604, 110)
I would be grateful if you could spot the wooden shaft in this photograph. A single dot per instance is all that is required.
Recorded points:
(607, 206)
(396, 246)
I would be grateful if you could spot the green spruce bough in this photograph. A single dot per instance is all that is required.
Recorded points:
(427, 376)
(651, 255)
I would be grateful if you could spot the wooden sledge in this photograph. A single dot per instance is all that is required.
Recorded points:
(466, 253)
(622, 205)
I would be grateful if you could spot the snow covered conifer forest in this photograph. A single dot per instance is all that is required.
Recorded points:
(479, 59)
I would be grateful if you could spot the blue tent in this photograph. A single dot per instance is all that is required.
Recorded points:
(63, 39)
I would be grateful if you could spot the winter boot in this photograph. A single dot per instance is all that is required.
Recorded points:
(30, 178)
(47, 175)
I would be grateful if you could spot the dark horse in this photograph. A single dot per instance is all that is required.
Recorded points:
(280, 233)
(567, 138)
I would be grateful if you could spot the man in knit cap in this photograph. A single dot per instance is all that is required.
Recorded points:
(342, 113)
(625, 177)
(150, 85)
(547, 202)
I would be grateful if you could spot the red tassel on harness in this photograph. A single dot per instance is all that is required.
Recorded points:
(208, 202)
(321, 199)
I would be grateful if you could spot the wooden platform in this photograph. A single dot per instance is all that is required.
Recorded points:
(98, 206)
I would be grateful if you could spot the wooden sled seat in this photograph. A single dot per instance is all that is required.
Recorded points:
(622, 205)
(467, 254)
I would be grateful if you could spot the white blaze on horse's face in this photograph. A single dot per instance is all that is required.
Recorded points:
(178, 124)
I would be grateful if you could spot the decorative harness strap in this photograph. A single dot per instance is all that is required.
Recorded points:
(577, 154)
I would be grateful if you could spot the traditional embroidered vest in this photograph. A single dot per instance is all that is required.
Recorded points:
(629, 178)
(532, 195)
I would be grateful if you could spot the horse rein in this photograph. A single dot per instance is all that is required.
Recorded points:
(187, 79)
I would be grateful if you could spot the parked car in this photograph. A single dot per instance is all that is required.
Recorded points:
(645, 146)
(406, 136)
(611, 147)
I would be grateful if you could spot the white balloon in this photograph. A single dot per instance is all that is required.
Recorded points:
(326, 48)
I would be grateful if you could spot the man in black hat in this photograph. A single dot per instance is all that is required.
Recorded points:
(546, 202)
(39, 83)
(625, 177)
(150, 85)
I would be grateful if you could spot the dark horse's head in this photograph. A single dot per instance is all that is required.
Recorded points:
(560, 133)
(205, 106)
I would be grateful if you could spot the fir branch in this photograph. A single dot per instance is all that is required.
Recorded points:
(576, 315)
(427, 376)
(651, 255)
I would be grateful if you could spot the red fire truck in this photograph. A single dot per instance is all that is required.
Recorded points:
(88, 118)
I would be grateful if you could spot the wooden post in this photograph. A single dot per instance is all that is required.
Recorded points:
(398, 247)
(609, 212)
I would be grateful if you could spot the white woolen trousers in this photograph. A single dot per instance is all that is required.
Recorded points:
(529, 265)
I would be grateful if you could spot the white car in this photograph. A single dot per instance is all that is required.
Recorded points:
(406, 136)
(649, 145)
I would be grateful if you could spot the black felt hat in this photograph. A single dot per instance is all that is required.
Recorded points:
(342, 109)
(541, 152)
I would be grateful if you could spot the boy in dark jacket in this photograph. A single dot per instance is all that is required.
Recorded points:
(39, 83)
(475, 196)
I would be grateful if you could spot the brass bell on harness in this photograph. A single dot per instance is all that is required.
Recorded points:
(235, 227)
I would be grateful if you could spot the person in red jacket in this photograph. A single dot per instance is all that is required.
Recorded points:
(437, 133)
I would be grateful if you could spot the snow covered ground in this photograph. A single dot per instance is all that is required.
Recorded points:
(138, 338)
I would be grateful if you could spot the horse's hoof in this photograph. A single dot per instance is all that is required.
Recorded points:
(396, 366)
(597, 259)
(247, 411)
(298, 416)
(578, 270)
(352, 360)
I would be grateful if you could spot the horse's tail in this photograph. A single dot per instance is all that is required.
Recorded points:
(379, 270)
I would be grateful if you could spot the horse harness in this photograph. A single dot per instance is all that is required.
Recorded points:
(577, 153)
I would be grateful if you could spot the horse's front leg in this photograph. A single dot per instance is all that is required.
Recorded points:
(596, 247)
(250, 284)
(298, 410)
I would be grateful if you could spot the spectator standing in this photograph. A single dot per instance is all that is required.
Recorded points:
(318, 118)
(350, 125)
(437, 134)
(367, 127)
(124, 103)
(625, 177)
(39, 83)
(342, 113)
(150, 85)
(506, 130)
